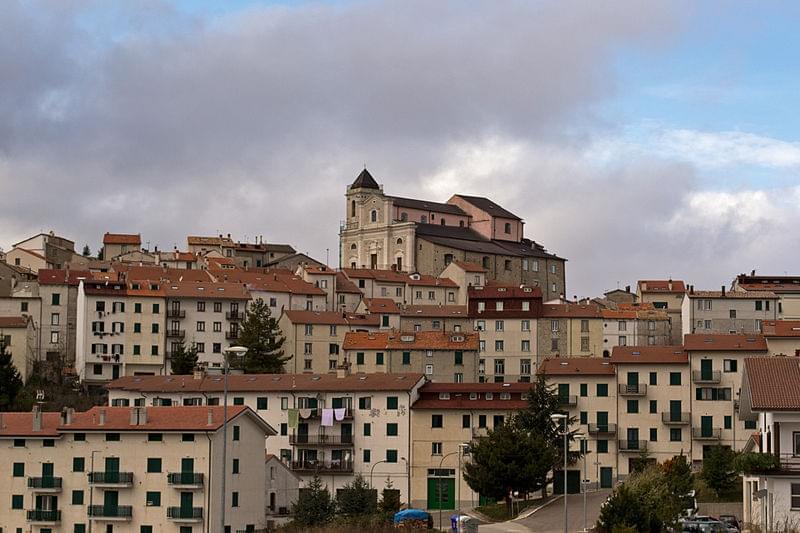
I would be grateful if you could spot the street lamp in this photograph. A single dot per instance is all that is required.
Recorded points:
(237, 351)
(408, 481)
(555, 418)
(439, 482)
(371, 470)
(463, 448)
(584, 482)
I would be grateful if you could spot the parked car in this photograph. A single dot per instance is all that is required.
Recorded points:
(704, 526)
(731, 521)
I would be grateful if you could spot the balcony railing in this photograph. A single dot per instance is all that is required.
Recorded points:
(176, 313)
(676, 418)
(118, 512)
(185, 478)
(111, 478)
(231, 335)
(234, 315)
(636, 389)
(321, 440)
(185, 513)
(317, 413)
(176, 333)
(632, 445)
(40, 515)
(44, 483)
(567, 400)
(706, 434)
(332, 467)
(602, 429)
(698, 376)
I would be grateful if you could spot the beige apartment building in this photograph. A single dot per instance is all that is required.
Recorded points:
(634, 325)
(727, 311)
(117, 244)
(338, 425)
(585, 388)
(653, 403)
(505, 317)
(465, 275)
(786, 288)
(716, 362)
(141, 469)
(323, 278)
(204, 315)
(314, 339)
(348, 295)
(403, 288)
(783, 337)
(386, 309)
(58, 291)
(665, 295)
(571, 329)
(440, 356)
(44, 250)
(453, 318)
(18, 337)
(120, 329)
(445, 416)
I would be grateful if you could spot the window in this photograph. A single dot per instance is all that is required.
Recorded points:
(632, 406)
(524, 366)
(553, 345)
(156, 309)
(498, 306)
(584, 417)
(235, 466)
(367, 456)
(500, 366)
(391, 402)
(507, 264)
(429, 370)
(758, 305)
(391, 456)
(19, 469)
(391, 429)
(727, 421)
(437, 421)
(584, 344)
(653, 406)
(78, 437)
(653, 378)
(406, 358)
(236, 432)
(436, 448)
(674, 378)
(17, 501)
(234, 499)
(653, 434)
(730, 365)
(602, 389)
(499, 325)
(498, 346)
(602, 446)
(78, 464)
(749, 424)
(675, 435)
(112, 437)
(466, 422)
(795, 504)
(458, 357)
(373, 216)
(154, 328)
(379, 358)
(155, 437)
(153, 464)
(201, 325)
(187, 437)
(77, 497)
(55, 299)
(153, 498)
(554, 326)
(365, 403)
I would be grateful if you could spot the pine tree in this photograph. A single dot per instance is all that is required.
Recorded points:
(357, 498)
(390, 499)
(718, 469)
(10, 379)
(86, 251)
(314, 506)
(183, 360)
(263, 338)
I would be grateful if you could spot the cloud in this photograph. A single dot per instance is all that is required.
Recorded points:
(728, 149)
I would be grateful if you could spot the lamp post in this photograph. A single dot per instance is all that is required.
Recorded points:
(555, 418)
(584, 482)
(463, 447)
(439, 483)
(371, 470)
(238, 351)
(408, 481)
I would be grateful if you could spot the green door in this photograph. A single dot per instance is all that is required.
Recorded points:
(112, 469)
(706, 369)
(633, 438)
(115, 371)
(573, 482)
(633, 379)
(187, 502)
(110, 503)
(675, 410)
(347, 433)
(187, 470)
(606, 477)
(706, 426)
(302, 433)
(602, 420)
(563, 390)
(441, 493)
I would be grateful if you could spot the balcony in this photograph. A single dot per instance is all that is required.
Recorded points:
(40, 516)
(230, 335)
(637, 389)
(321, 440)
(698, 376)
(328, 467)
(185, 514)
(317, 413)
(706, 434)
(234, 315)
(176, 333)
(118, 513)
(568, 400)
(676, 419)
(602, 429)
(44, 484)
(111, 479)
(185, 480)
(176, 313)
(635, 446)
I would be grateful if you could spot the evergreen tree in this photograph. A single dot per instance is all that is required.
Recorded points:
(357, 499)
(100, 253)
(314, 506)
(183, 360)
(262, 337)
(390, 499)
(678, 475)
(86, 251)
(10, 379)
(718, 469)
(643, 503)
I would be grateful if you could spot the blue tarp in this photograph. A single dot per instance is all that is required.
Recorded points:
(410, 514)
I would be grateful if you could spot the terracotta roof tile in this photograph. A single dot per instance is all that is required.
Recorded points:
(206, 290)
(418, 340)
(470, 267)
(724, 342)
(331, 318)
(13, 322)
(345, 285)
(496, 291)
(435, 311)
(21, 425)
(662, 285)
(571, 311)
(122, 238)
(649, 355)
(576, 366)
(773, 382)
(466, 404)
(62, 276)
(781, 328)
(178, 418)
(382, 305)
(764, 295)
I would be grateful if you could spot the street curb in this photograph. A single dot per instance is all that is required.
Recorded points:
(529, 512)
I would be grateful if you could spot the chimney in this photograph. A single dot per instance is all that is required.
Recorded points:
(644, 285)
(691, 289)
(343, 370)
(199, 372)
(752, 273)
(723, 291)
(210, 417)
(627, 288)
(37, 418)
(669, 284)
(138, 416)
(102, 421)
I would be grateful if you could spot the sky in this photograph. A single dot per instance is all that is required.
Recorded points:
(636, 139)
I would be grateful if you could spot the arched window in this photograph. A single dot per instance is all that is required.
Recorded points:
(460, 223)
(485, 261)
(404, 216)
(353, 246)
(399, 241)
(508, 228)
(441, 221)
(373, 216)
(423, 219)
(352, 208)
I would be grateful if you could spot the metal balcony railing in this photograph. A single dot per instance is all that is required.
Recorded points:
(706, 434)
(602, 429)
(567, 400)
(332, 467)
(119, 511)
(111, 478)
(176, 313)
(176, 333)
(636, 389)
(185, 513)
(234, 315)
(698, 376)
(321, 440)
(632, 445)
(676, 418)
(231, 335)
(185, 478)
(47, 483)
(40, 515)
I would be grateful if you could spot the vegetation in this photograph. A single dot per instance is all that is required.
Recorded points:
(86, 251)
(314, 506)
(262, 337)
(357, 499)
(499, 512)
(390, 499)
(718, 469)
(749, 462)
(183, 360)
(519, 454)
(59, 390)
(10, 380)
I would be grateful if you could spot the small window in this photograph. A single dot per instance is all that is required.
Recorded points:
(112, 437)
(632, 406)
(77, 497)
(236, 432)
(507, 228)
(437, 421)
(675, 378)
(155, 437)
(154, 464)
(367, 429)
(187, 437)
(261, 403)
(78, 464)
(391, 402)
(391, 456)
(153, 498)
(19, 469)
(235, 466)
(391, 429)
(602, 389)
(365, 403)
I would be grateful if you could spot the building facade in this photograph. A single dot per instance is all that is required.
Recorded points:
(665, 295)
(727, 311)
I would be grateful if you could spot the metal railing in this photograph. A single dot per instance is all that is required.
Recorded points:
(234, 315)
(676, 418)
(185, 478)
(176, 313)
(177, 333)
(101, 511)
(321, 440)
(632, 445)
(706, 434)
(602, 429)
(185, 513)
(40, 515)
(698, 376)
(323, 466)
(44, 483)
(567, 400)
(636, 389)
(232, 335)
(111, 478)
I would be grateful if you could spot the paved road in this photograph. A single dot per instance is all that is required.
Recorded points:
(550, 519)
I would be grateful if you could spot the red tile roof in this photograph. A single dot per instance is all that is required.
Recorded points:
(13, 322)
(773, 383)
(331, 318)
(270, 383)
(178, 418)
(463, 404)
(698, 342)
(382, 305)
(781, 328)
(206, 290)
(649, 355)
(662, 285)
(576, 366)
(345, 285)
(571, 311)
(435, 387)
(435, 311)
(418, 340)
(61, 277)
(122, 238)
(470, 267)
(21, 425)
(496, 291)
(158, 273)
(749, 295)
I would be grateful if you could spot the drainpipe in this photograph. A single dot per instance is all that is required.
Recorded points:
(208, 487)
(409, 455)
